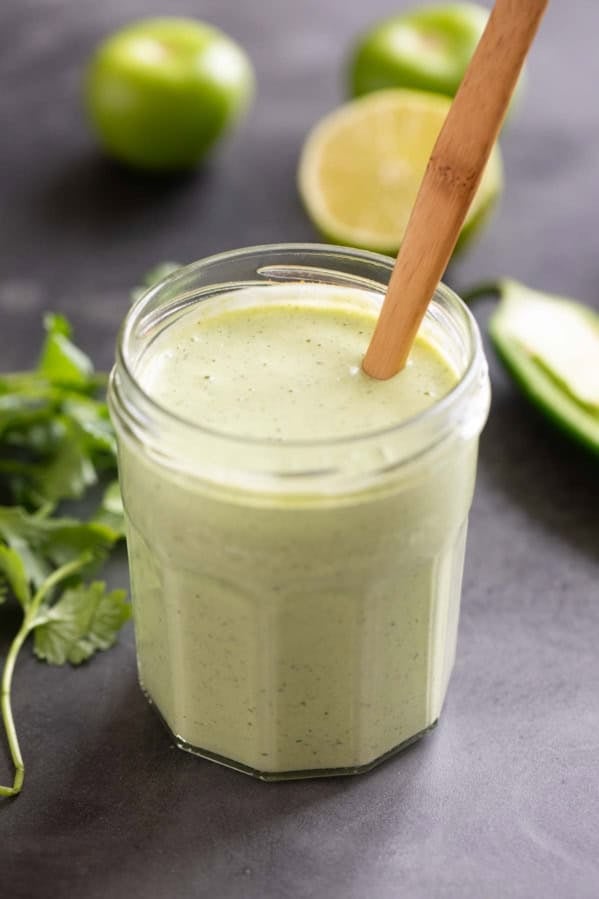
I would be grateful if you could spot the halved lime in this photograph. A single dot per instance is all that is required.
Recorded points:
(362, 165)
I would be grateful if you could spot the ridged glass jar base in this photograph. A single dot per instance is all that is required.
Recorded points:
(303, 774)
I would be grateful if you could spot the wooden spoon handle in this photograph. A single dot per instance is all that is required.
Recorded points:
(451, 179)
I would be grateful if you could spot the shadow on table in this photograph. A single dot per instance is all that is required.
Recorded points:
(10, 621)
(11, 617)
(131, 804)
(91, 190)
(554, 481)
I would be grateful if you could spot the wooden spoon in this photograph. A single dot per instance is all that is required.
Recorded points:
(453, 173)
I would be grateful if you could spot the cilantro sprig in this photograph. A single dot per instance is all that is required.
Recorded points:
(55, 434)
(56, 441)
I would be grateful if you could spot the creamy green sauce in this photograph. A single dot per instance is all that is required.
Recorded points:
(287, 636)
(287, 372)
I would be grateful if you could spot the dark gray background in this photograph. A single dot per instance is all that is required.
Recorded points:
(502, 800)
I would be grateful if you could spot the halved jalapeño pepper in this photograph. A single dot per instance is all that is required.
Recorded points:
(550, 345)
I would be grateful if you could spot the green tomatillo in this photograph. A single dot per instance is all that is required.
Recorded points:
(427, 48)
(160, 92)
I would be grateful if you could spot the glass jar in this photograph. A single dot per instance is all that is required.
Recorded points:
(296, 602)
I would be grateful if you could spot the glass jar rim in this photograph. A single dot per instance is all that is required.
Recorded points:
(250, 462)
(436, 412)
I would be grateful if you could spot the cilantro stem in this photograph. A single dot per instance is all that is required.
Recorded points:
(28, 624)
(7, 716)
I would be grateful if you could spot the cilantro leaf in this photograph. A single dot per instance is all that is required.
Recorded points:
(13, 571)
(45, 543)
(55, 435)
(61, 361)
(111, 513)
(85, 619)
(18, 531)
(92, 417)
(69, 471)
(24, 402)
